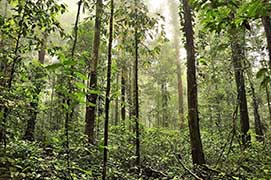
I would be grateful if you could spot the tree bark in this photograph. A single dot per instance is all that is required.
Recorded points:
(135, 89)
(238, 56)
(108, 85)
(268, 101)
(123, 92)
(193, 118)
(267, 28)
(92, 84)
(117, 101)
(257, 119)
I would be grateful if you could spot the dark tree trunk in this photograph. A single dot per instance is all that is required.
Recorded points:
(93, 63)
(107, 100)
(123, 92)
(117, 101)
(238, 55)
(135, 89)
(267, 28)
(268, 101)
(257, 119)
(193, 118)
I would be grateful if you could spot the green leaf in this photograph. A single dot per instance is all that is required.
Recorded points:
(80, 85)
(53, 66)
(81, 76)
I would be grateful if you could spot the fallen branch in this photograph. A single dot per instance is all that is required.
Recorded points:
(188, 170)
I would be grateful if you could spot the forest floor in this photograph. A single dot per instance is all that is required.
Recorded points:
(165, 154)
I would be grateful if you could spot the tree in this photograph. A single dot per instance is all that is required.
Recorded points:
(267, 28)
(135, 86)
(193, 117)
(92, 84)
(108, 84)
(176, 30)
(238, 55)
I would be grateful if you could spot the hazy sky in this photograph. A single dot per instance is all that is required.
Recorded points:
(154, 6)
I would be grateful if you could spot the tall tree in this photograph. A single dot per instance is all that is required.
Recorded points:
(193, 117)
(257, 119)
(135, 85)
(176, 32)
(238, 55)
(123, 93)
(108, 85)
(117, 101)
(92, 84)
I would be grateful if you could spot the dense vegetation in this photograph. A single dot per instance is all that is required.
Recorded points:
(127, 93)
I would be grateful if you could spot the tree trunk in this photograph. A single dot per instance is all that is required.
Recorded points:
(92, 84)
(238, 56)
(164, 104)
(108, 85)
(180, 94)
(135, 88)
(117, 101)
(257, 119)
(193, 118)
(267, 28)
(268, 101)
(175, 23)
(123, 92)
(130, 93)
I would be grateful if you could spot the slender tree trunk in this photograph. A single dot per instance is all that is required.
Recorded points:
(175, 23)
(136, 99)
(93, 63)
(193, 118)
(107, 100)
(117, 101)
(180, 94)
(238, 56)
(257, 119)
(268, 101)
(130, 94)
(164, 104)
(123, 92)
(68, 100)
(267, 28)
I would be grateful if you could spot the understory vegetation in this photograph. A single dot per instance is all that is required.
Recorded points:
(135, 89)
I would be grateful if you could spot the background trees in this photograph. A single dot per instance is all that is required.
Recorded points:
(74, 92)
